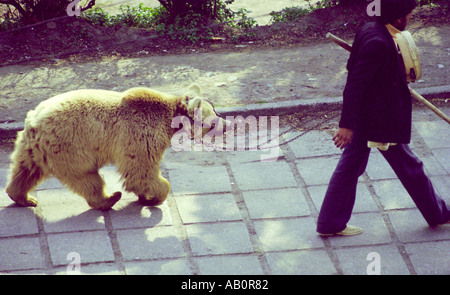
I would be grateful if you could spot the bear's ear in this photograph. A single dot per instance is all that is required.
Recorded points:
(194, 90)
(181, 108)
(193, 104)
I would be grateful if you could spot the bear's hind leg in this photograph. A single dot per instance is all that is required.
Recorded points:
(91, 187)
(149, 185)
(23, 180)
(25, 175)
(159, 189)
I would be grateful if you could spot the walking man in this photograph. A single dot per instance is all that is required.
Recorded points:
(376, 113)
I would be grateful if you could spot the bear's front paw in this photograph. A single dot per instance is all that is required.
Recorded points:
(115, 198)
(28, 202)
(105, 203)
(152, 201)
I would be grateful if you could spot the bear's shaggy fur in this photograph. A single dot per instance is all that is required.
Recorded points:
(72, 135)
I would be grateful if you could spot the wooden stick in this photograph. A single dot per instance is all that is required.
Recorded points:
(414, 93)
(429, 105)
(339, 41)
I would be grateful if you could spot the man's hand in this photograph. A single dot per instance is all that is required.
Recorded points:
(343, 137)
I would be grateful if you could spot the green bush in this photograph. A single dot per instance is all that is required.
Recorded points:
(352, 2)
(289, 14)
(209, 9)
(427, 2)
(33, 11)
(294, 13)
(190, 26)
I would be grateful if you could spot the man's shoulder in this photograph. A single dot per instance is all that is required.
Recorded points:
(373, 34)
(373, 30)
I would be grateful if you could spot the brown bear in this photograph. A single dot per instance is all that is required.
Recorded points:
(72, 135)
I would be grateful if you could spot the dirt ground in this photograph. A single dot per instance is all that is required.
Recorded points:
(76, 39)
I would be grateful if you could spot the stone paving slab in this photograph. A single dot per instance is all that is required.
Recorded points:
(375, 231)
(262, 175)
(442, 185)
(312, 144)
(133, 215)
(316, 171)
(442, 158)
(9, 225)
(20, 253)
(229, 213)
(378, 168)
(363, 203)
(287, 202)
(392, 194)
(307, 262)
(354, 261)
(219, 238)
(207, 208)
(149, 243)
(288, 234)
(428, 131)
(92, 246)
(426, 264)
(230, 265)
(158, 267)
(199, 179)
(417, 231)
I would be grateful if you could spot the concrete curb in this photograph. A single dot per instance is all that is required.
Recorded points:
(292, 106)
(279, 108)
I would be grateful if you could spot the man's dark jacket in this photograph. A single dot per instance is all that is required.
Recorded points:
(377, 101)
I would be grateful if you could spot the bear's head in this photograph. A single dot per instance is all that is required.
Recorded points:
(202, 114)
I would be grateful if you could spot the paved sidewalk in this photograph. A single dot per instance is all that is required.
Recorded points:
(230, 213)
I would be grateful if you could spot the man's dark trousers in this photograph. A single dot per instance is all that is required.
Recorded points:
(340, 196)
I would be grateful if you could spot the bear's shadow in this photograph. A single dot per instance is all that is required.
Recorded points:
(128, 216)
(135, 215)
